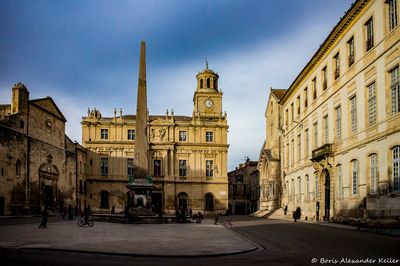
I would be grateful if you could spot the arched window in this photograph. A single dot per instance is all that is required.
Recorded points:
(182, 200)
(287, 189)
(299, 190)
(157, 168)
(201, 83)
(340, 180)
(354, 175)
(209, 200)
(215, 83)
(373, 173)
(104, 200)
(292, 190)
(316, 189)
(18, 168)
(396, 168)
(208, 82)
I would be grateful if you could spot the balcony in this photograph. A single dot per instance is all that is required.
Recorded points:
(322, 152)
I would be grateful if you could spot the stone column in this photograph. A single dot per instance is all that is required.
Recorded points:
(141, 141)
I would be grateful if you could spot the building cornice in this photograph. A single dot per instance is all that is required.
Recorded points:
(326, 46)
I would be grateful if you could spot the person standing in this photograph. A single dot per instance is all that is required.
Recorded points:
(70, 212)
(160, 216)
(216, 218)
(126, 215)
(45, 214)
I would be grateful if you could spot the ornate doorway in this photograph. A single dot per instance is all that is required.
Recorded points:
(48, 177)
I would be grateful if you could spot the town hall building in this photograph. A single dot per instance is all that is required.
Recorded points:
(185, 156)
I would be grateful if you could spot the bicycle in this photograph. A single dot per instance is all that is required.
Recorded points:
(82, 221)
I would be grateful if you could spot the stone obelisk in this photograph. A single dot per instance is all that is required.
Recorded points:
(141, 140)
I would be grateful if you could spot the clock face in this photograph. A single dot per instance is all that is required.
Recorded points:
(209, 103)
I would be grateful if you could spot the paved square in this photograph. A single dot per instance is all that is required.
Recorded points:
(144, 239)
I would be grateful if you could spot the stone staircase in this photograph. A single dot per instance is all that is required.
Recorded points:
(279, 214)
(271, 214)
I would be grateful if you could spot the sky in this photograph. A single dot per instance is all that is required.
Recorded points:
(85, 53)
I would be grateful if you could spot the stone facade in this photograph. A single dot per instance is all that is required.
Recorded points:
(341, 122)
(37, 159)
(244, 188)
(269, 163)
(187, 155)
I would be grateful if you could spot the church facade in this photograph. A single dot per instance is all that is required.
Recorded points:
(38, 162)
(186, 155)
(269, 162)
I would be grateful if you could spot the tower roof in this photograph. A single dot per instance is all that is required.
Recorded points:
(207, 71)
(278, 93)
(20, 86)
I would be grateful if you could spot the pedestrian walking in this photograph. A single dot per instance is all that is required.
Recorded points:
(216, 218)
(297, 214)
(126, 215)
(87, 214)
(45, 214)
(63, 213)
(160, 214)
(70, 212)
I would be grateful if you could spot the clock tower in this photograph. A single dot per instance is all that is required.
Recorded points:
(207, 97)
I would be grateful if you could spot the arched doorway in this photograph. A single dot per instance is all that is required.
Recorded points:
(104, 203)
(209, 202)
(327, 198)
(182, 200)
(48, 177)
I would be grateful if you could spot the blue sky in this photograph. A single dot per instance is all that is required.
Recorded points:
(86, 54)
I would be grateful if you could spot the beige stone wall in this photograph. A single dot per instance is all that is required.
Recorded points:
(164, 145)
(46, 158)
(369, 67)
(12, 185)
(46, 127)
(269, 160)
(243, 188)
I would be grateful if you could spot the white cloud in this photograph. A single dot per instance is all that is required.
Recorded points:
(245, 77)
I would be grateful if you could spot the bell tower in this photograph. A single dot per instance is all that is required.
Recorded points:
(207, 97)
